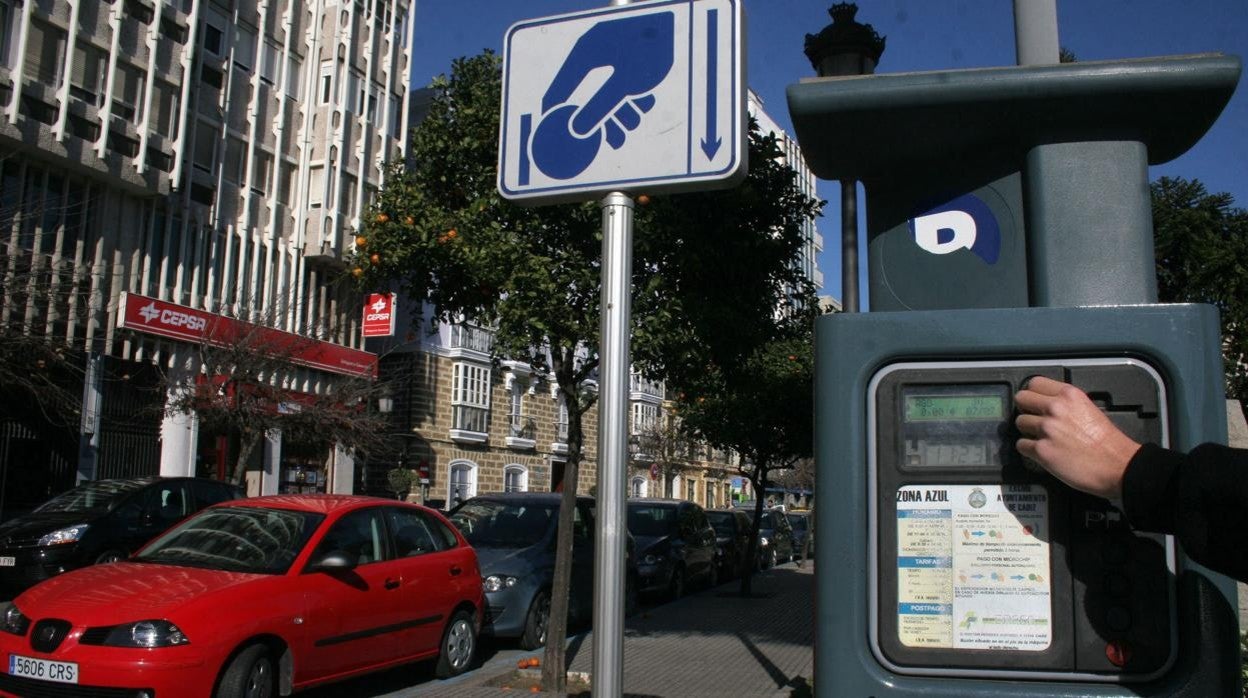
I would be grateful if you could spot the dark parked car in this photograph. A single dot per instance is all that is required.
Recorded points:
(514, 536)
(732, 540)
(675, 545)
(800, 521)
(775, 539)
(98, 521)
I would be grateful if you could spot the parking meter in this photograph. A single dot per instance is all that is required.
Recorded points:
(964, 571)
(949, 565)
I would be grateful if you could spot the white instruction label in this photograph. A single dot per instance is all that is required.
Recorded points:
(973, 567)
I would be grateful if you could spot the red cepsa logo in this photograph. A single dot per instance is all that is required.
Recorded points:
(379, 315)
(172, 317)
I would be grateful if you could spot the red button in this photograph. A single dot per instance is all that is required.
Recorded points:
(1118, 653)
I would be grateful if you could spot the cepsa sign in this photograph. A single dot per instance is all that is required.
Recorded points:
(379, 314)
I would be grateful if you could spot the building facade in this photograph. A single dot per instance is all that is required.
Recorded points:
(192, 159)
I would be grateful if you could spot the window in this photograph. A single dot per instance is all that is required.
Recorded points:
(637, 487)
(710, 495)
(327, 81)
(463, 482)
(269, 60)
(316, 186)
(206, 138)
(515, 409)
(645, 417)
(45, 53)
(86, 81)
(245, 48)
(211, 77)
(213, 37)
(470, 397)
(294, 73)
(165, 104)
(412, 533)
(235, 157)
(286, 181)
(172, 30)
(358, 535)
(9, 17)
(262, 170)
(139, 11)
(515, 479)
(561, 422)
(127, 92)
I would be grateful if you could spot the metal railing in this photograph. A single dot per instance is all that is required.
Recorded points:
(472, 337)
(640, 384)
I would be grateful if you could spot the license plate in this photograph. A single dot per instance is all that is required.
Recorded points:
(8, 561)
(43, 669)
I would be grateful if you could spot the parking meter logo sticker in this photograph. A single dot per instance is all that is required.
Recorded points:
(635, 54)
(963, 223)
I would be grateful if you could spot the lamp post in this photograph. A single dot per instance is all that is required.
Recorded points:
(846, 47)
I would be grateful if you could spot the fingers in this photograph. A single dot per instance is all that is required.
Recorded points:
(1030, 425)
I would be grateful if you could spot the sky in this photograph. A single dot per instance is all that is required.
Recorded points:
(922, 35)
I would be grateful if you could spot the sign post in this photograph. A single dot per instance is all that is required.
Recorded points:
(599, 104)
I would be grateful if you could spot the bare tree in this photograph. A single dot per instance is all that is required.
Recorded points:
(45, 304)
(666, 447)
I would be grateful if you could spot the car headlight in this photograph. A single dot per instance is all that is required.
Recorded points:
(763, 541)
(69, 534)
(496, 582)
(14, 621)
(147, 633)
(652, 559)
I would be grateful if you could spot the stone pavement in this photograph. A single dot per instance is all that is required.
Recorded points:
(712, 643)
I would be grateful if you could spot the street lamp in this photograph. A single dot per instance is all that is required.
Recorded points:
(846, 47)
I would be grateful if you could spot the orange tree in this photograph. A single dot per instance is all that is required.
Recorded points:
(440, 230)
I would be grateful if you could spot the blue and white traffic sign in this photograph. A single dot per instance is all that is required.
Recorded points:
(642, 97)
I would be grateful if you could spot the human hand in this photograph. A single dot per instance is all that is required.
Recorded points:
(631, 57)
(1071, 437)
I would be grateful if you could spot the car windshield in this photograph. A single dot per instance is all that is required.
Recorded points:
(235, 539)
(501, 524)
(797, 522)
(651, 520)
(99, 495)
(722, 522)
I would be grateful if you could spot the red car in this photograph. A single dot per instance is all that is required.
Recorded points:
(253, 597)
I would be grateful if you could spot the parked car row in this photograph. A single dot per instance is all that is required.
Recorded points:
(271, 594)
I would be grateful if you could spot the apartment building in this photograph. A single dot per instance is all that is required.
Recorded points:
(189, 161)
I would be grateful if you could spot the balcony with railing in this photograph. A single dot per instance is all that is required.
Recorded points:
(639, 384)
(472, 338)
(469, 424)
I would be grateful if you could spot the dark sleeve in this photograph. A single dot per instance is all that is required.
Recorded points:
(1201, 498)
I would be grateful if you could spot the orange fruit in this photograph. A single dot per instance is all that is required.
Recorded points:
(360, 240)
(643, 200)
(382, 218)
(375, 258)
(357, 272)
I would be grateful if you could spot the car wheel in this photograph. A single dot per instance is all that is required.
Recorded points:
(771, 559)
(535, 624)
(251, 674)
(459, 646)
(677, 587)
(109, 556)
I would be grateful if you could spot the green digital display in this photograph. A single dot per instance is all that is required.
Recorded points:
(940, 408)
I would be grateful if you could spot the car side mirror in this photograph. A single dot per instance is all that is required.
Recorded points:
(332, 560)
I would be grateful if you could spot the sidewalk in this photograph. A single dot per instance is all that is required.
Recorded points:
(712, 643)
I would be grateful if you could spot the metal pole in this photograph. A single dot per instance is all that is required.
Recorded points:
(609, 566)
(1035, 32)
(849, 246)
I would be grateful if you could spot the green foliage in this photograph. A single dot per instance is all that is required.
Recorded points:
(1201, 243)
(761, 407)
(400, 481)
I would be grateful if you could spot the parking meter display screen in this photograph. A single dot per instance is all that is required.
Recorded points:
(957, 425)
(926, 408)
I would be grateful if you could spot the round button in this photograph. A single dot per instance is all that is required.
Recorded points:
(1118, 618)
